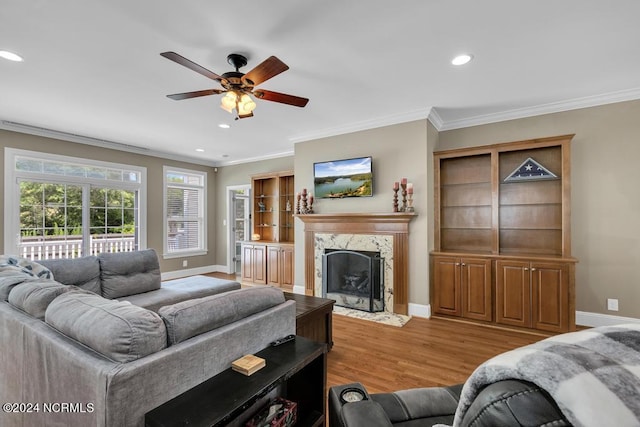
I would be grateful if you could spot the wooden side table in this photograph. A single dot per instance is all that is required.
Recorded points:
(313, 317)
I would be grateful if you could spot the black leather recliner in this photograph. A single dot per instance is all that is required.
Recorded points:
(503, 403)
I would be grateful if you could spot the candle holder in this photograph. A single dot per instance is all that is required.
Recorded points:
(297, 203)
(395, 199)
(403, 208)
(409, 207)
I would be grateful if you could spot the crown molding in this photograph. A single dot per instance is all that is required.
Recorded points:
(97, 142)
(554, 107)
(256, 159)
(363, 125)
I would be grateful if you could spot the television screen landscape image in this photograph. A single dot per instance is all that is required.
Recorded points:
(343, 178)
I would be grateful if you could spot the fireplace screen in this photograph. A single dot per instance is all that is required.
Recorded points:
(353, 279)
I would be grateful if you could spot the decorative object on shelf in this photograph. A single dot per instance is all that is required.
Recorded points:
(403, 184)
(396, 187)
(305, 203)
(255, 236)
(409, 207)
(288, 207)
(262, 207)
(407, 196)
(530, 170)
(279, 412)
(248, 364)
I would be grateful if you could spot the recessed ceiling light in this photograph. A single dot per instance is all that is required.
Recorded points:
(224, 126)
(462, 59)
(200, 150)
(10, 56)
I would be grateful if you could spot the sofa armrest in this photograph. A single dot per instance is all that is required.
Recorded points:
(365, 413)
(435, 404)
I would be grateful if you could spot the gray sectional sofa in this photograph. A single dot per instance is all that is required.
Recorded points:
(100, 341)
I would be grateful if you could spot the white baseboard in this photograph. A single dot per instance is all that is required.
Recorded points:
(420, 310)
(177, 274)
(586, 318)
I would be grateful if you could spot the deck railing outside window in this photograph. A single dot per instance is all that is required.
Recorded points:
(71, 247)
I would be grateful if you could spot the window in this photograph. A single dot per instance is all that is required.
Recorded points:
(185, 212)
(64, 207)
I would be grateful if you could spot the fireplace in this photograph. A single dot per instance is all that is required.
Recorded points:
(354, 279)
(384, 232)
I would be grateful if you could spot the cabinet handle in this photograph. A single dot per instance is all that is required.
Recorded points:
(457, 263)
(526, 269)
(463, 264)
(533, 269)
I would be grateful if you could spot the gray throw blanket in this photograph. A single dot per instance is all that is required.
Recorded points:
(593, 375)
(15, 270)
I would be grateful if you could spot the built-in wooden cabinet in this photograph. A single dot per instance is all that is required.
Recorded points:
(534, 294)
(503, 234)
(280, 265)
(462, 287)
(269, 259)
(254, 263)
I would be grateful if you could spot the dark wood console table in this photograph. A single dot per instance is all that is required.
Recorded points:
(295, 371)
(313, 317)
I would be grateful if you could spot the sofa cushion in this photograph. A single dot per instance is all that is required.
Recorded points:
(82, 272)
(119, 330)
(178, 290)
(194, 317)
(35, 296)
(129, 273)
(15, 270)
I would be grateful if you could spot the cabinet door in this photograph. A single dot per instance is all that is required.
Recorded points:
(247, 263)
(476, 288)
(446, 286)
(513, 293)
(273, 265)
(287, 263)
(550, 296)
(260, 264)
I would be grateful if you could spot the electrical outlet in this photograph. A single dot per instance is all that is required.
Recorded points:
(185, 263)
(612, 304)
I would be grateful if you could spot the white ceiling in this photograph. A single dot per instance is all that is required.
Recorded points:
(93, 68)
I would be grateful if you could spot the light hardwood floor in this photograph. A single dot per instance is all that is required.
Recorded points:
(423, 353)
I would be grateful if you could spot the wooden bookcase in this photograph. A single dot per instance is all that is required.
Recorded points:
(270, 260)
(503, 247)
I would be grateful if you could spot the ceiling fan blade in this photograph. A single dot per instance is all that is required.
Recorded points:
(270, 67)
(188, 95)
(283, 98)
(191, 65)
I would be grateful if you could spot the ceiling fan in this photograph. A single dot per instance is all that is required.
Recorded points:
(238, 86)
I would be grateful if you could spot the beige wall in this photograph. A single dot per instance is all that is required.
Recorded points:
(238, 175)
(398, 151)
(605, 195)
(605, 190)
(154, 186)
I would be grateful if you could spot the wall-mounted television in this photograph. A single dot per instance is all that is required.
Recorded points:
(343, 178)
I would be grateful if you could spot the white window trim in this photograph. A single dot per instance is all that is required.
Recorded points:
(165, 232)
(12, 195)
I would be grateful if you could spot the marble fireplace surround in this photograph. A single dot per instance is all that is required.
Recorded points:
(384, 232)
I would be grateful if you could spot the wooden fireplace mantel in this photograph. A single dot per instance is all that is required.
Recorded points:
(395, 224)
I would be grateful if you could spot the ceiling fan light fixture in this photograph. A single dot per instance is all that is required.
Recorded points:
(228, 102)
(246, 105)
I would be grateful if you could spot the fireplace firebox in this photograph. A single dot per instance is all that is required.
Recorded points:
(353, 279)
